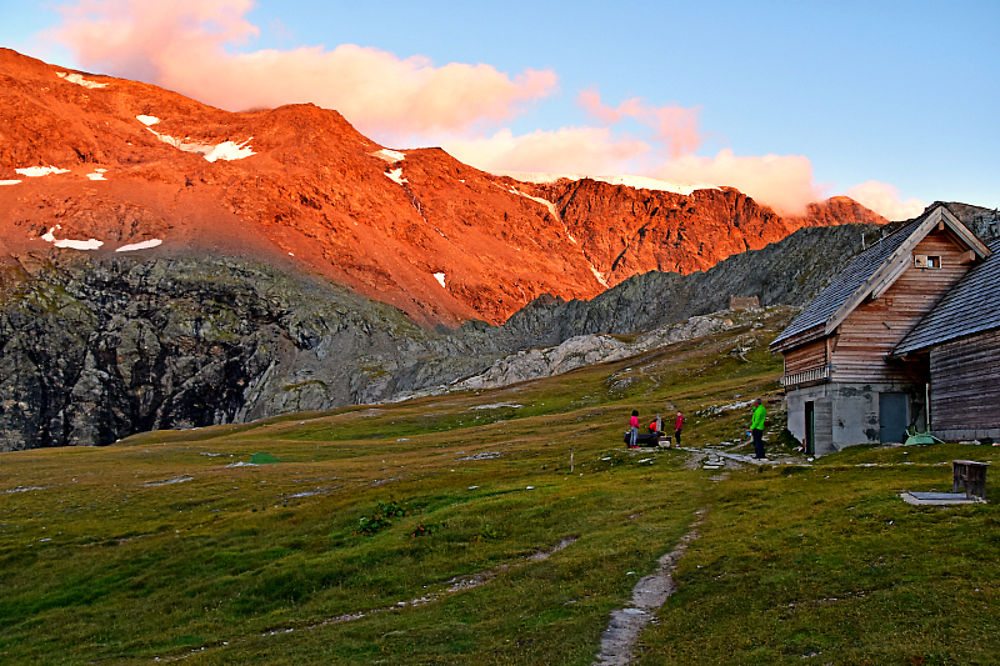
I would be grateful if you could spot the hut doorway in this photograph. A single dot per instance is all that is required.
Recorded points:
(893, 417)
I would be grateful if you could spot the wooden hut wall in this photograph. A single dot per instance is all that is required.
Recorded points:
(808, 356)
(965, 384)
(871, 331)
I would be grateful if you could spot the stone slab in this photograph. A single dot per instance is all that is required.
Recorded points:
(939, 499)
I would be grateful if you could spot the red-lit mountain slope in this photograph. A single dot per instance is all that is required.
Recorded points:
(141, 169)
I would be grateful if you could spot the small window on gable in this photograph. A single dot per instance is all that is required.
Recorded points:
(927, 261)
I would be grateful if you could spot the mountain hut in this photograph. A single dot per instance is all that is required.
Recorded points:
(908, 334)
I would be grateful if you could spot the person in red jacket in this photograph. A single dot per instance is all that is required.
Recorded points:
(678, 426)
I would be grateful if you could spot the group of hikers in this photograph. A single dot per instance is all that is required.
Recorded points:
(757, 422)
(655, 429)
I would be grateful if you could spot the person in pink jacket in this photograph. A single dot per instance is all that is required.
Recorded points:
(678, 426)
(633, 423)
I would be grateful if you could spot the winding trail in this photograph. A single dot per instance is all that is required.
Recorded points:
(648, 595)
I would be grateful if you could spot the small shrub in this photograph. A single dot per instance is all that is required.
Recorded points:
(489, 532)
(425, 530)
(380, 519)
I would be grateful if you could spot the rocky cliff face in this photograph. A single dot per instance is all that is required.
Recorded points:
(984, 222)
(629, 231)
(96, 350)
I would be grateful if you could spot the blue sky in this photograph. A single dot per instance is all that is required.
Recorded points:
(816, 98)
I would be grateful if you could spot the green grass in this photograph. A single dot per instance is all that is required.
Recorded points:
(826, 563)
(158, 547)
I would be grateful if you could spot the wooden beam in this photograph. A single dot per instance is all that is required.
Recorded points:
(963, 232)
(890, 277)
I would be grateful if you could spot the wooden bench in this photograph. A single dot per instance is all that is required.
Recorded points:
(970, 476)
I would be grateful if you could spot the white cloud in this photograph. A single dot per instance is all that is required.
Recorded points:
(182, 45)
(884, 199)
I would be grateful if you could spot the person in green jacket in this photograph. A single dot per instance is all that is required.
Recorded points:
(757, 428)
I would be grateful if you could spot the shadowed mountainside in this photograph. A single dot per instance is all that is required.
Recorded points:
(97, 348)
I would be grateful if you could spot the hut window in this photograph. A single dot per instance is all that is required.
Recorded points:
(926, 261)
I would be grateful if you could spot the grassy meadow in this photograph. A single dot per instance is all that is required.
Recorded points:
(495, 527)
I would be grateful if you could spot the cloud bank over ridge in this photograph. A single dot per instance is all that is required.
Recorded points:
(193, 47)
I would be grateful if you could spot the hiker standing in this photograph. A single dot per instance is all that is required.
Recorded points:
(633, 423)
(757, 428)
(678, 426)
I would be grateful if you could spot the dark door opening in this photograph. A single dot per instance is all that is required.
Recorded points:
(893, 417)
(810, 427)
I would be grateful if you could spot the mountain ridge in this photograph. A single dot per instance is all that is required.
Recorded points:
(417, 229)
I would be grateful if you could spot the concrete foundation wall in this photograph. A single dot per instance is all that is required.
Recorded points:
(847, 414)
(967, 435)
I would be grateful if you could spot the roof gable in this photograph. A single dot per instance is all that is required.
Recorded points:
(972, 306)
(871, 273)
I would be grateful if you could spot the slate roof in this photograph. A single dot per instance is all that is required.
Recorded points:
(853, 277)
(971, 306)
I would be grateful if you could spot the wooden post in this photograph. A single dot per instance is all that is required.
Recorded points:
(970, 476)
(927, 406)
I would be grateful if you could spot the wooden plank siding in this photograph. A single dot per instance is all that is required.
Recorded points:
(965, 383)
(868, 334)
(806, 357)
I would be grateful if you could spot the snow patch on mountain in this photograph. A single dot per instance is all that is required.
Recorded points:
(230, 150)
(144, 245)
(555, 214)
(600, 276)
(9, 182)
(39, 171)
(68, 243)
(227, 150)
(80, 81)
(440, 278)
(98, 174)
(396, 176)
(391, 156)
(545, 202)
(147, 120)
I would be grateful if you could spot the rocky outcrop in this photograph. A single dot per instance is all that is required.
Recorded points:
(984, 222)
(583, 350)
